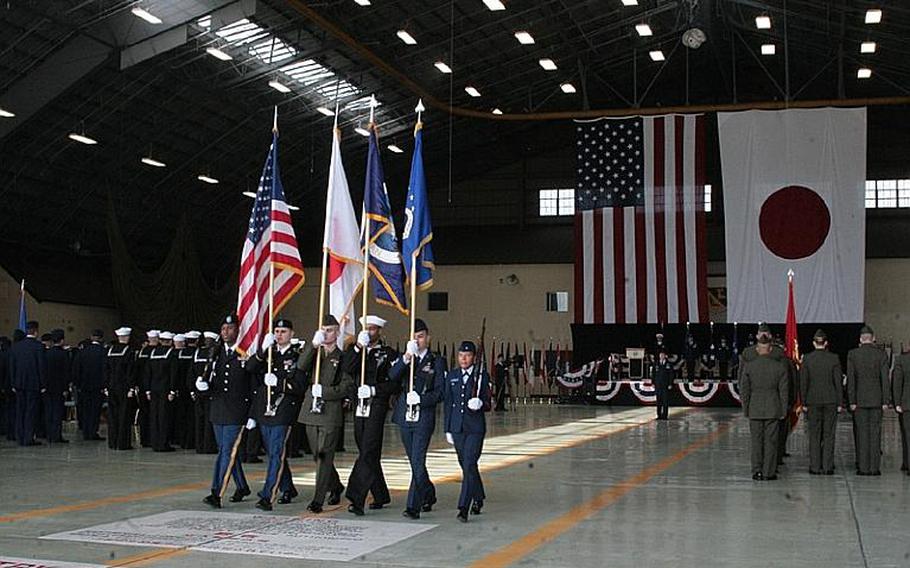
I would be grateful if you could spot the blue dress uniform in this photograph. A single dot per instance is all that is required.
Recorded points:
(663, 379)
(468, 428)
(89, 375)
(184, 434)
(58, 380)
(230, 388)
(28, 377)
(429, 383)
(160, 384)
(121, 385)
(275, 423)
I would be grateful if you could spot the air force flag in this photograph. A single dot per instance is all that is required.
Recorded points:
(385, 258)
(418, 231)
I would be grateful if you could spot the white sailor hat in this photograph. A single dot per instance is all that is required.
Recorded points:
(179, 337)
(192, 334)
(123, 331)
(373, 320)
(166, 335)
(152, 333)
(210, 335)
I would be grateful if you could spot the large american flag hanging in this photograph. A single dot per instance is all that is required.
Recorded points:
(270, 240)
(640, 252)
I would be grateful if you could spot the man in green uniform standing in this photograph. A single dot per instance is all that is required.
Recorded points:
(764, 390)
(868, 392)
(820, 387)
(900, 381)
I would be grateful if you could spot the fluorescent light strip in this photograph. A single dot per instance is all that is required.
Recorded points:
(472, 91)
(548, 64)
(644, 30)
(763, 22)
(567, 88)
(496, 111)
(867, 47)
(218, 54)
(524, 37)
(362, 2)
(6, 114)
(630, 2)
(362, 131)
(494, 5)
(149, 161)
(325, 111)
(278, 86)
(443, 68)
(207, 179)
(394, 148)
(873, 16)
(82, 138)
(657, 55)
(863, 73)
(404, 36)
(768, 49)
(145, 15)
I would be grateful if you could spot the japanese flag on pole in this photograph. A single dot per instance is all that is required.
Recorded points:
(794, 184)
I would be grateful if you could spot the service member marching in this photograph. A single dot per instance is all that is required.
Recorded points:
(763, 388)
(821, 390)
(121, 386)
(276, 407)
(229, 385)
(322, 413)
(374, 394)
(868, 393)
(415, 413)
(467, 396)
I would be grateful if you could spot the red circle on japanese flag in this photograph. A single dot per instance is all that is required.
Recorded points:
(794, 222)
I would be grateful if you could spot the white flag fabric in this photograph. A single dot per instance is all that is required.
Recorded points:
(342, 242)
(793, 190)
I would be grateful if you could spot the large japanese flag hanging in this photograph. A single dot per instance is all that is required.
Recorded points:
(793, 199)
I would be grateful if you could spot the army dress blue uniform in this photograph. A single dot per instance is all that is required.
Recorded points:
(28, 377)
(230, 387)
(663, 380)
(429, 383)
(468, 428)
(275, 423)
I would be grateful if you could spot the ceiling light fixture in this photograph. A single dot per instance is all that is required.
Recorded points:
(279, 86)
(394, 148)
(404, 36)
(325, 111)
(863, 73)
(6, 114)
(763, 22)
(524, 38)
(362, 131)
(150, 161)
(548, 64)
(567, 88)
(497, 112)
(139, 12)
(218, 54)
(630, 2)
(250, 194)
(82, 138)
(207, 179)
(867, 47)
(873, 16)
(768, 49)
(443, 68)
(362, 2)
(472, 91)
(494, 5)
(657, 55)
(644, 30)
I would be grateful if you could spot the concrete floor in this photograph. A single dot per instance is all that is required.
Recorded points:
(610, 488)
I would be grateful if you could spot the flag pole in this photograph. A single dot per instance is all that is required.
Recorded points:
(418, 126)
(365, 221)
(268, 389)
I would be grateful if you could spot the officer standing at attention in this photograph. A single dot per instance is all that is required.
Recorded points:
(58, 380)
(820, 387)
(89, 371)
(142, 360)
(900, 381)
(663, 380)
(28, 380)
(159, 384)
(121, 387)
(868, 392)
(415, 413)
(230, 388)
(467, 396)
(374, 394)
(763, 389)
(182, 415)
(275, 407)
(202, 359)
(322, 413)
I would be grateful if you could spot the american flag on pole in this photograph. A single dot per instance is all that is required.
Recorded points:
(640, 252)
(270, 241)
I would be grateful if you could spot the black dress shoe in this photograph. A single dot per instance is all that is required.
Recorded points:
(314, 507)
(356, 509)
(213, 501)
(239, 495)
(876, 473)
(462, 515)
(427, 507)
(34, 443)
(786, 454)
(476, 507)
(829, 472)
(815, 472)
(771, 477)
(295, 455)
(60, 441)
(411, 514)
(264, 505)
(904, 467)
(335, 496)
(285, 498)
(858, 472)
(98, 438)
(757, 476)
(374, 506)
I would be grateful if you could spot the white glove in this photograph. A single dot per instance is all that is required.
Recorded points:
(411, 347)
(449, 438)
(201, 385)
(318, 338)
(268, 341)
(363, 339)
(475, 404)
(899, 409)
(250, 424)
(317, 391)
(365, 391)
(413, 398)
(271, 380)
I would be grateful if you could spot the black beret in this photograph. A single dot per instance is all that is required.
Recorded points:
(329, 320)
(467, 347)
(229, 319)
(282, 322)
(420, 325)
